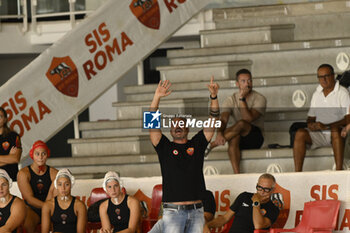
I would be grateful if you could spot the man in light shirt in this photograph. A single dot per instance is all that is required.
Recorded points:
(328, 113)
(247, 109)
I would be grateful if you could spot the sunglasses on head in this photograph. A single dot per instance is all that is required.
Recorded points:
(266, 190)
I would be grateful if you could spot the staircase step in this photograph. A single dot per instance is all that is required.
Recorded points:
(110, 146)
(248, 35)
(270, 59)
(134, 110)
(275, 132)
(257, 81)
(274, 121)
(311, 19)
(299, 46)
(202, 72)
(140, 144)
(282, 10)
(148, 165)
(283, 101)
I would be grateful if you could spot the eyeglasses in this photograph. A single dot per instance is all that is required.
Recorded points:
(324, 76)
(266, 190)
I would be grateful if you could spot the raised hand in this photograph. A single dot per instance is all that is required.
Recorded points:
(163, 89)
(213, 87)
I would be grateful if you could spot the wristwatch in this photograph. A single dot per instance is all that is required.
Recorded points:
(242, 99)
(256, 203)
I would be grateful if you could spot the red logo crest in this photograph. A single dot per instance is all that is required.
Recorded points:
(63, 74)
(190, 151)
(147, 12)
(263, 212)
(281, 198)
(175, 152)
(5, 145)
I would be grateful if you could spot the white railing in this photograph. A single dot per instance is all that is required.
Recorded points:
(21, 14)
(71, 13)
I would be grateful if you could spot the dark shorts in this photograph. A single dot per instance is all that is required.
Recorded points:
(253, 140)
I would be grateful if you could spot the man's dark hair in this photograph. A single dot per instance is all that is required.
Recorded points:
(326, 66)
(242, 71)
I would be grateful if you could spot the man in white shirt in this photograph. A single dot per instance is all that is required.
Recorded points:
(327, 115)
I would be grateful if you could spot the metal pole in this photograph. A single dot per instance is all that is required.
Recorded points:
(76, 127)
(33, 4)
(25, 15)
(140, 74)
(72, 10)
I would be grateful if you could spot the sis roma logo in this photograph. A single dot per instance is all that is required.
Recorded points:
(281, 198)
(147, 12)
(63, 74)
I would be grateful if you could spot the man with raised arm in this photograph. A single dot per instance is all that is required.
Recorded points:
(247, 108)
(181, 162)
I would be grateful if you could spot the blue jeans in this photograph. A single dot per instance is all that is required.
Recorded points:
(158, 227)
(183, 221)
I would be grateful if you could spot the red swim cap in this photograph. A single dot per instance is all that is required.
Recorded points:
(38, 144)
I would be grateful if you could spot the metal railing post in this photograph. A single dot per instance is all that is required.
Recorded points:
(140, 74)
(76, 127)
(72, 12)
(25, 15)
(33, 4)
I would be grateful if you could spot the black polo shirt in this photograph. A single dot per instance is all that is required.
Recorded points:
(243, 218)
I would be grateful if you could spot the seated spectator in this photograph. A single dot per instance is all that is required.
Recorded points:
(121, 212)
(36, 184)
(65, 212)
(209, 211)
(251, 210)
(247, 107)
(12, 208)
(11, 147)
(329, 109)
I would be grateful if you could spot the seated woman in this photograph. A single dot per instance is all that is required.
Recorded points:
(12, 208)
(66, 213)
(36, 184)
(119, 213)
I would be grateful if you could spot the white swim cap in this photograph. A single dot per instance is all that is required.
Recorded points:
(111, 176)
(65, 173)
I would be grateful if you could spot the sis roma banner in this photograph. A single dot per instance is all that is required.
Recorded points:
(292, 191)
(46, 95)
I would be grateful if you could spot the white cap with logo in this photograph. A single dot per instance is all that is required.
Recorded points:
(4, 174)
(111, 175)
(65, 173)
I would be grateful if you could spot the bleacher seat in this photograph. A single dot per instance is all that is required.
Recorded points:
(147, 223)
(96, 195)
(318, 216)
